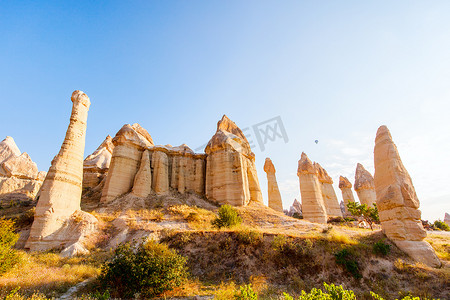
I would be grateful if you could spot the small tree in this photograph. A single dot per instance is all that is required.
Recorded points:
(369, 214)
(8, 256)
(441, 225)
(228, 217)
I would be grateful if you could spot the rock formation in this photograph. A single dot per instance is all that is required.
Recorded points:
(364, 186)
(296, 207)
(160, 165)
(231, 176)
(313, 206)
(346, 188)
(447, 219)
(19, 176)
(328, 194)
(142, 185)
(58, 220)
(129, 144)
(397, 201)
(96, 165)
(272, 188)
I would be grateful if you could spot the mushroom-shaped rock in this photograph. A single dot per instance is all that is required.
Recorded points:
(364, 186)
(231, 176)
(397, 201)
(346, 188)
(328, 194)
(313, 206)
(272, 189)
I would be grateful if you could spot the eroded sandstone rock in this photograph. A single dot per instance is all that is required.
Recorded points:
(129, 144)
(447, 219)
(328, 194)
(231, 176)
(346, 188)
(272, 186)
(58, 220)
(364, 186)
(142, 186)
(397, 201)
(96, 165)
(313, 206)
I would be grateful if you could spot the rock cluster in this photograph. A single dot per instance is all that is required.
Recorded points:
(226, 174)
(397, 201)
(313, 206)
(19, 176)
(328, 194)
(364, 186)
(346, 188)
(272, 186)
(296, 207)
(96, 165)
(58, 220)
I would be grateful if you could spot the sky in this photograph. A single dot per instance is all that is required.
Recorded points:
(328, 71)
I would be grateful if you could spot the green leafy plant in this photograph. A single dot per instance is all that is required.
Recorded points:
(441, 225)
(369, 214)
(332, 292)
(381, 248)
(228, 217)
(149, 270)
(8, 256)
(347, 259)
(246, 292)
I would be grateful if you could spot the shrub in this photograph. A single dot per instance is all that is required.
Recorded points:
(8, 256)
(149, 270)
(246, 292)
(249, 237)
(369, 214)
(332, 292)
(347, 259)
(228, 217)
(441, 225)
(381, 248)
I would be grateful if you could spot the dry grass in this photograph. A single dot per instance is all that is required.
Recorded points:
(440, 244)
(49, 273)
(198, 218)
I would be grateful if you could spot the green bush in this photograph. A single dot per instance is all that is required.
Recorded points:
(332, 292)
(246, 293)
(8, 256)
(228, 217)
(347, 259)
(381, 248)
(149, 270)
(369, 214)
(441, 225)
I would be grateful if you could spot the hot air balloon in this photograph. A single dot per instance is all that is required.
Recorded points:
(316, 141)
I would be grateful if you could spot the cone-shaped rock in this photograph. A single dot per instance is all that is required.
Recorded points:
(328, 194)
(397, 201)
(272, 188)
(346, 188)
(129, 144)
(447, 219)
(96, 165)
(231, 176)
(313, 206)
(364, 186)
(60, 195)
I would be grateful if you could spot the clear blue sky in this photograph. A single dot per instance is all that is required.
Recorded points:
(332, 70)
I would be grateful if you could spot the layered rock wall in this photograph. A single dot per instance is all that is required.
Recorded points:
(398, 203)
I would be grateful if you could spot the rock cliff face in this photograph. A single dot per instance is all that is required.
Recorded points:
(397, 201)
(346, 188)
(60, 196)
(19, 176)
(313, 206)
(231, 176)
(447, 219)
(96, 165)
(129, 144)
(273, 191)
(328, 194)
(364, 186)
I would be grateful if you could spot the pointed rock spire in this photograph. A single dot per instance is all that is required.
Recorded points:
(364, 186)
(274, 195)
(346, 188)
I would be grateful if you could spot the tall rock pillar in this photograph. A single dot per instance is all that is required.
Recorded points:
(328, 194)
(272, 188)
(397, 202)
(313, 207)
(60, 194)
(346, 188)
(364, 186)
